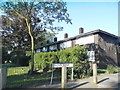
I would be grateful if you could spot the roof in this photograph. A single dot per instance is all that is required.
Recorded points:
(82, 35)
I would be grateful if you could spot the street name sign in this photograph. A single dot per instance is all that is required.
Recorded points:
(59, 65)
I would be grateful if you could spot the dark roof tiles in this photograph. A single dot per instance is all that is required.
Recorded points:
(81, 35)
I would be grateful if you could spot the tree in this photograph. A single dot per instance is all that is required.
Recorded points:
(6, 56)
(34, 20)
(18, 41)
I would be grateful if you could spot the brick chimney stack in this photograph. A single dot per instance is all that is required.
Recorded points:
(81, 30)
(55, 39)
(65, 35)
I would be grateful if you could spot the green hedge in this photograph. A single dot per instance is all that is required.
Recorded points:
(112, 69)
(77, 56)
(45, 59)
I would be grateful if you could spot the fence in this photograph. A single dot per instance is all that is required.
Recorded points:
(3, 77)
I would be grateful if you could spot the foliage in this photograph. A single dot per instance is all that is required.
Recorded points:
(76, 55)
(80, 61)
(15, 57)
(112, 69)
(5, 56)
(45, 59)
(28, 53)
(101, 71)
(26, 24)
(22, 60)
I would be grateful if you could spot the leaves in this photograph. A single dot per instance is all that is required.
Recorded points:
(29, 23)
(41, 16)
(77, 56)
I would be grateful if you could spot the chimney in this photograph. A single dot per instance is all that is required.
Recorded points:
(55, 39)
(81, 30)
(65, 35)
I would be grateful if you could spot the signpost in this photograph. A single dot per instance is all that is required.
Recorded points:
(91, 55)
(64, 72)
(64, 77)
(95, 72)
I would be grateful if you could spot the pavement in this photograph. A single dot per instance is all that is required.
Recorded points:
(104, 81)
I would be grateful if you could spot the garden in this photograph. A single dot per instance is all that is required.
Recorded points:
(18, 77)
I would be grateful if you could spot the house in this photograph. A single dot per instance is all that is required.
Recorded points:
(105, 45)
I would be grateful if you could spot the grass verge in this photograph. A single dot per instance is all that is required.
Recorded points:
(17, 77)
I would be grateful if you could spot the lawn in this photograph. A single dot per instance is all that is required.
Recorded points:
(17, 70)
(17, 77)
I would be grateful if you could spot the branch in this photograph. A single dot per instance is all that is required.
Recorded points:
(28, 25)
(36, 4)
(21, 15)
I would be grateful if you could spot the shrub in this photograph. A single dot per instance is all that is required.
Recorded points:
(45, 59)
(80, 61)
(77, 56)
(22, 60)
(112, 69)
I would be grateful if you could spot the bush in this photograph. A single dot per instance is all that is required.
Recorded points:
(45, 59)
(77, 56)
(22, 60)
(101, 71)
(112, 69)
(5, 56)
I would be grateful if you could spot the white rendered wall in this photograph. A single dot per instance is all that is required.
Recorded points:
(85, 40)
(81, 41)
(67, 44)
(61, 46)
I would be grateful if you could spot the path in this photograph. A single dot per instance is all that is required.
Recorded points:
(104, 81)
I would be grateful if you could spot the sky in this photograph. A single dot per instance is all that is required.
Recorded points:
(91, 16)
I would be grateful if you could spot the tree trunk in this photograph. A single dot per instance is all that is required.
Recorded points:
(18, 58)
(32, 43)
(32, 55)
(31, 64)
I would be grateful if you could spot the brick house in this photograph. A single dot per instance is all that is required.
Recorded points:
(105, 45)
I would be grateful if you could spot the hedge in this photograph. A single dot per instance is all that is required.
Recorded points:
(77, 56)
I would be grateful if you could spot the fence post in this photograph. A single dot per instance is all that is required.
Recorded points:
(4, 76)
(72, 74)
(64, 77)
